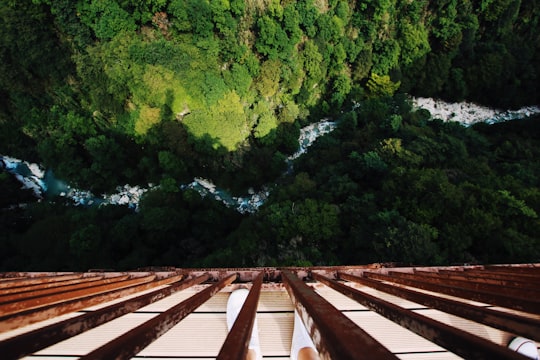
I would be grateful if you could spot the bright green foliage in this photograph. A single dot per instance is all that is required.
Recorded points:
(268, 82)
(181, 15)
(148, 117)
(387, 58)
(266, 120)
(239, 79)
(115, 92)
(224, 123)
(238, 7)
(291, 23)
(289, 112)
(381, 85)
(330, 28)
(342, 86)
(308, 16)
(272, 40)
(311, 60)
(414, 43)
(343, 11)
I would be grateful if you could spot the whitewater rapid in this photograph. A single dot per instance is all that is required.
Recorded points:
(468, 113)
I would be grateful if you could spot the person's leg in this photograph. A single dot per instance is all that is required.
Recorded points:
(308, 353)
(234, 305)
(524, 347)
(251, 355)
(302, 347)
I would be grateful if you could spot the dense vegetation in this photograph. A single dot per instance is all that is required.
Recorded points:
(113, 92)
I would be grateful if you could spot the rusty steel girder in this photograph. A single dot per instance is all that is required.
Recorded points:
(517, 324)
(133, 341)
(38, 339)
(334, 334)
(237, 341)
(457, 341)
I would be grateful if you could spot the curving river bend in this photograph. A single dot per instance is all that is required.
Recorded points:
(45, 185)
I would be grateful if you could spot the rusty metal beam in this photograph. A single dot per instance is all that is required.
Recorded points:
(509, 291)
(516, 324)
(520, 269)
(334, 334)
(457, 341)
(8, 283)
(133, 341)
(479, 278)
(60, 288)
(47, 285)
(76, 301)
(527, 305)
(28, 343)
(40, 300)
(534, 278)
(237, 341)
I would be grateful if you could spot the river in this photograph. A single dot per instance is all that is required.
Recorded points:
(46, 186)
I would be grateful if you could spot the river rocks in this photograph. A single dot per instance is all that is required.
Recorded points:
(31, 183)
(36, 170)
(32, 176)
(28, 174)
(252, 203)
(247, 204)
(126, 195)
(310, 133)
(469, 113)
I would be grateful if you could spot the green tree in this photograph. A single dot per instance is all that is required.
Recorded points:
(414, 42)
(380, 86)
(268, 80)
(405, 241)
(342, 87)
(106, 18)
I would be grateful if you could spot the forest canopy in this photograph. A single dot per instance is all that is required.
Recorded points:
(159, 91)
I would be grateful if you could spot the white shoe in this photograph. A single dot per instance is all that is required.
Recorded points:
(300, 338)
(524, 347)
(234, 305)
